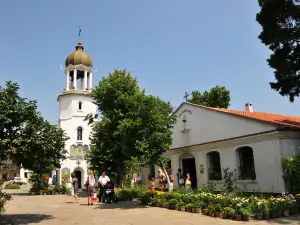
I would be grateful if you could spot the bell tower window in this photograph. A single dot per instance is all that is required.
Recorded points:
(79, 133)
(79, 105)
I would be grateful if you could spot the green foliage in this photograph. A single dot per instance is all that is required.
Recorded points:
(135, 127)
(41, 186)
(291, 167)
(4, 197)
(12, 186)
(280, 22)
(217, 97)
(230, 179)
(128, 193)
(25, 136)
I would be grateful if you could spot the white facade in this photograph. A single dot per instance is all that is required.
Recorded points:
(74, 104)
(200, 131)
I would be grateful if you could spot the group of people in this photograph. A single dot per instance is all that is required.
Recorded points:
(90, 184)
(184, 180)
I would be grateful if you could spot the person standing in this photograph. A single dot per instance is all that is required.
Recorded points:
(75, 187)
(91, 186)
(188, 183)
(102, 181)
(139, 178)
(180, 179)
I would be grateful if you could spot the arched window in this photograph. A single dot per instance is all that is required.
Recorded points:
(80, 105)
(79, 133)
(214, 166)
(246, 163)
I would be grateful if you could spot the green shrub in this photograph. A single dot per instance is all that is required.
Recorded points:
(4, 197)
(12, 186)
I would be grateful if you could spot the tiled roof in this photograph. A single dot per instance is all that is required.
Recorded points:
(277, 119)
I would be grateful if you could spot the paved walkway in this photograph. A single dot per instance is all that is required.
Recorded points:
(61, 210)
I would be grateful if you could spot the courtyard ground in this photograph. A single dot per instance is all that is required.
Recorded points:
(61, 210)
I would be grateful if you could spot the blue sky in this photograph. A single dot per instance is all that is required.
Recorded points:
(171, 46)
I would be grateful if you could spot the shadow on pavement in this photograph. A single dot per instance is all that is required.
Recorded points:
(22, 219)
(286, 220)
(120, 205)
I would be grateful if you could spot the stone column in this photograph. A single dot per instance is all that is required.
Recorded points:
(175, 165)
(90, 80)
(68, 81)
(75, 79)
(85, 80)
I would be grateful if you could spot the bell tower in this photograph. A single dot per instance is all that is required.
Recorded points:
(75, 102)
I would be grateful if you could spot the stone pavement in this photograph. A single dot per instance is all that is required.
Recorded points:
(61, 210)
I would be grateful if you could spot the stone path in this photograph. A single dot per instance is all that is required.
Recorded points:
(61, 210)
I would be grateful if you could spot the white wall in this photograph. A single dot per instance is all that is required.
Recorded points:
(208, 125)
(267, 161)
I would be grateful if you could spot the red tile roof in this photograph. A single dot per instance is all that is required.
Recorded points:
(277, 119)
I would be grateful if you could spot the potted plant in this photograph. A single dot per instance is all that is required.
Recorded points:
(217, 210)
(183, 207)
(172, 203)
(189, 207)
(266, 210)
(245, 214)
(197, 206)
(204, 211)
(273, 206)
(179, 205)
(211, 209)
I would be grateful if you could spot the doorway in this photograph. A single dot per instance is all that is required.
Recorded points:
(78, 176)
(189, 166)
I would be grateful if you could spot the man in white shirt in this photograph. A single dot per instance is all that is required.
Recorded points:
(103, 179)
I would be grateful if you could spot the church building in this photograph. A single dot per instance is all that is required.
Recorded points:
(207, 140)
(74, 104)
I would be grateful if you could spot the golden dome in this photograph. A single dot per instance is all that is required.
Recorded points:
(79, 57)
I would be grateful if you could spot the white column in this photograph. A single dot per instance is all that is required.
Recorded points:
(85, 80)
(75, 79)
(68, 81)
(90, 80)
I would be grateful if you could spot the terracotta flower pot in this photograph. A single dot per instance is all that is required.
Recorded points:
(217, 214)
(204, 211)
(193, 210)
(197, 210)
(182, 209)
(286, 213)
(179, 208)
(223, 216)
(238, 217)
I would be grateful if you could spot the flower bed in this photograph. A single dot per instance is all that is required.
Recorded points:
(228, 206)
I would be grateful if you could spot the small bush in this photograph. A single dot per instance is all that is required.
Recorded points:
(12, 186)
(4, 197)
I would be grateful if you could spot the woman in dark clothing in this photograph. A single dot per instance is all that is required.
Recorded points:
(75, 186)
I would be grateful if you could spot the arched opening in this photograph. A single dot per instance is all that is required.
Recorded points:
(79, 133)
(189, 166)
(214, 166)
(79, 175)
(246, 163)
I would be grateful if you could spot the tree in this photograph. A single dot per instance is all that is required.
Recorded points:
(134, 126)
(217, 97)
(25, 137)
(280, 22)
